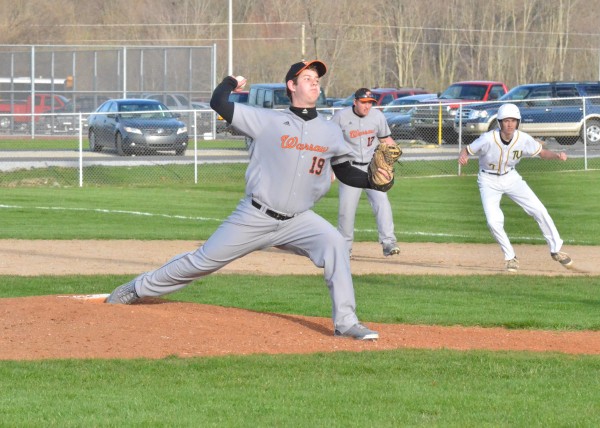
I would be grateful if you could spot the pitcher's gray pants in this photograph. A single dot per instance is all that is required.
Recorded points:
(248, 229)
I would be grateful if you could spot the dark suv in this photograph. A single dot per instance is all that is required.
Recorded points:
(550, 109)
(384, 96)
(274, 95)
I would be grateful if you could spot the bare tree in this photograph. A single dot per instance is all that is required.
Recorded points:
(402, 21)
(446, 41)
(382, 42)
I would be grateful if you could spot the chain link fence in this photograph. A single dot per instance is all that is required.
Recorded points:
(35, 80)
(64, 152)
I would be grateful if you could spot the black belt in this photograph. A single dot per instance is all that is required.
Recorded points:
(271, 213)
(495, 173)
(360, 163)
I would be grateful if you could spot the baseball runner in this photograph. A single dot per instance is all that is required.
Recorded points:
(499, 152)
(364, 128)
(289, 170)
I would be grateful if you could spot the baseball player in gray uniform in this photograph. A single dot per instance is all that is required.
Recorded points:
(499, 152)
(289, 170)
(364, 128)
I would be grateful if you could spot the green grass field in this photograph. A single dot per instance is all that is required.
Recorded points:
(383, 389)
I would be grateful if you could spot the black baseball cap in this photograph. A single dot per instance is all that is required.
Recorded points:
(364, 95)
(297, 68)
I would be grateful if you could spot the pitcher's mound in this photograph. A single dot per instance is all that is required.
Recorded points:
(82, 326)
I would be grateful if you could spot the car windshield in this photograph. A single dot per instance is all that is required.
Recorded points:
(281, 99)
(464, 92)
(236, 97)
(144, 111)
(400, 106)
(182, 99)
(525, 92)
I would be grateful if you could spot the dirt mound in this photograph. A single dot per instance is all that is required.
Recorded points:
(35, 328)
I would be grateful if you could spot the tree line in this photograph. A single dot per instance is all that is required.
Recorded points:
(385, 43)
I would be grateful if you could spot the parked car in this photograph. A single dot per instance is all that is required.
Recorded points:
(19, 117)
(131, 125)
(426, 119)
(69, 124)
(549, 109)
(405, 104)
(399, 112)
(181, 103)
(330, 101)
(239, 97)
(274, 95)
(172, 101)
(384, 96)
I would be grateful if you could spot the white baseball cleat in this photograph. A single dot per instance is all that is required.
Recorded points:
(563, 259)
(512, 265)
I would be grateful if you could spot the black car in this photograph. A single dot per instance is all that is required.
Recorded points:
(136, 125)
(399, 113)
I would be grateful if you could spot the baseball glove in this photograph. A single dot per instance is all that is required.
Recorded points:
(385, 156)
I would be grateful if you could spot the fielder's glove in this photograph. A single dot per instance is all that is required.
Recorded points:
(385, 156)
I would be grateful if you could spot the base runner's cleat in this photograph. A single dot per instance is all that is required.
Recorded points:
(512, 265)
(562, 258)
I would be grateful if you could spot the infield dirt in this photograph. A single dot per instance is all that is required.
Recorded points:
(74, 327)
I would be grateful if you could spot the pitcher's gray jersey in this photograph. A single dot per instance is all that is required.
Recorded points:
(362, 133)
(288, 153)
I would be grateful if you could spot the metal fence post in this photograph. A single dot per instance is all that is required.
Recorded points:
(80, 118)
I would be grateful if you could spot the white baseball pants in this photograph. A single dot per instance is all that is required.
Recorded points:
(493, 187)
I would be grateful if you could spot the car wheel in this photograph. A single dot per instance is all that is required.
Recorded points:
(592, 131)
(94, 146)
(566, 141)
(493, 126)
(180, 151)
(119, 144)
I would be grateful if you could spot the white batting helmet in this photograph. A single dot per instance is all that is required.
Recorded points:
(509, 110)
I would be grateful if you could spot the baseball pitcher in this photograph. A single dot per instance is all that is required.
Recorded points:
(289, 170)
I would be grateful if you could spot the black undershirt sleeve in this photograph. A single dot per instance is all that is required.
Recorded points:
(351, 176)
(219, 101)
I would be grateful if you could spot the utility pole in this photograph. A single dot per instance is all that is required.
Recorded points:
(230, 42)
